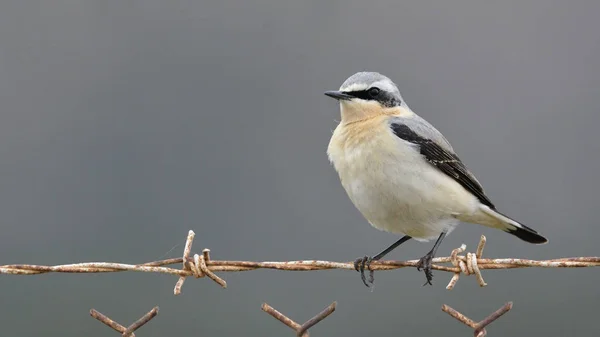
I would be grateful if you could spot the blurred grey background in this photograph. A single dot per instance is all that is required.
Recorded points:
(124, 124)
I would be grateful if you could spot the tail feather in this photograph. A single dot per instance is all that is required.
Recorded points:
(492, 218)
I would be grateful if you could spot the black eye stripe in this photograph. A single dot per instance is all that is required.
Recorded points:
(362, 94)
(384, 98)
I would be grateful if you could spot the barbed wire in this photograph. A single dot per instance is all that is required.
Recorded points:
(478, 327)
(125, 331)
(201, 265)
(301, 329)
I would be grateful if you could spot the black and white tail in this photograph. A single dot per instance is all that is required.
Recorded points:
(492, 218)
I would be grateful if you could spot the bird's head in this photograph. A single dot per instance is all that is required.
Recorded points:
(368, 94)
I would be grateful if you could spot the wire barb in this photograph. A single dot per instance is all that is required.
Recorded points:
(109, 322)
(202, 265)
(125, 332)
(316, 319)
(479, 328)
(200, 261)
(196, 266)
(281, 317)
(186, 253)
(467, 264)
(301, 330)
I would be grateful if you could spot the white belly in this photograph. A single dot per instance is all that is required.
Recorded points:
(397, 191)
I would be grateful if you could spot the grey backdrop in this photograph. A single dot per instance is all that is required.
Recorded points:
(123, 124)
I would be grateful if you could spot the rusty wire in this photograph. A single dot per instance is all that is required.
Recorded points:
(301, 329)
(125, 331)
(202, 265)
(479, 328)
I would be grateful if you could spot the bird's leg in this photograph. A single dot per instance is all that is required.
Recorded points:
(362, 262)
(425, 261)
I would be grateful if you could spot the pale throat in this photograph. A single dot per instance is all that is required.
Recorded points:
(352, 111)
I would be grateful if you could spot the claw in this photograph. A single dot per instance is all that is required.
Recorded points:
(359, 266)
(425, 264)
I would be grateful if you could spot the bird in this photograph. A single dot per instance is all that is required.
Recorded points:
(403, 175)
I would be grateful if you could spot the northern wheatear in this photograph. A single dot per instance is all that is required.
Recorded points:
(402, 174)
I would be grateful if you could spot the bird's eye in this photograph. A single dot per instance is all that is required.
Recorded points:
(373, 92)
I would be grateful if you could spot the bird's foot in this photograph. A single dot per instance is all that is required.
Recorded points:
(359, 266)
(425, 264)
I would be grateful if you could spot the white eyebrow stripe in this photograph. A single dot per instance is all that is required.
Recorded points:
(355, 87)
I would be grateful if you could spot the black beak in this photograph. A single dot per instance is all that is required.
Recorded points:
(338, 95)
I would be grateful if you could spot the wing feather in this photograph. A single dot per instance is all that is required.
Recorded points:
(442, 157)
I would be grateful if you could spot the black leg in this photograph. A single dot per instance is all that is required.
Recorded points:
(425, 261)
(362, 262)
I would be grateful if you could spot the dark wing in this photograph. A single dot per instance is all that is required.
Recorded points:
(444, 160)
